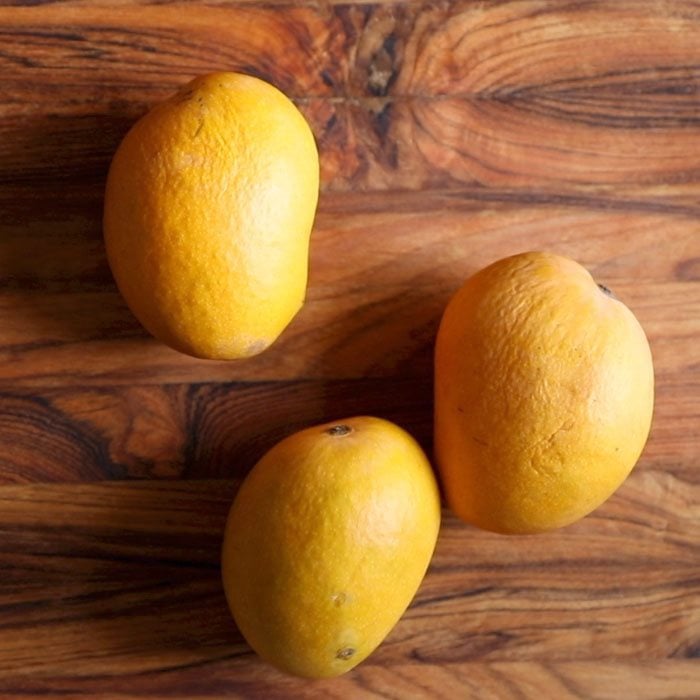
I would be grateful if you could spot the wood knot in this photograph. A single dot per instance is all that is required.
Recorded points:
(378, 79)
(381, 71)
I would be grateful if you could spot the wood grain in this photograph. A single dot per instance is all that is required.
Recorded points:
(219, 430)
(382, 269)
(109, 581)
(190, 431)
(400, 95)
(598, 680)
(451, 134)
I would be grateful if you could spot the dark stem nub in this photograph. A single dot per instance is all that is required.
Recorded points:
(344, 653)
(339, 430)
(607, 291)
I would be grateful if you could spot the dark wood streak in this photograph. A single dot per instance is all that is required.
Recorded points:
(48, 444)
(129, 566)
(190, 431)
(219, 430)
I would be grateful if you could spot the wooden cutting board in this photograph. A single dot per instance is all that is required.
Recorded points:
(451, 134)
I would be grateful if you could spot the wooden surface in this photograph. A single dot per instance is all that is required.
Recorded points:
(451, 134)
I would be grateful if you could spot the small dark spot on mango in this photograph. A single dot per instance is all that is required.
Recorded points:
(607, 291)
(345, 653)
(185, 93)
(339, 430)
(339, 599)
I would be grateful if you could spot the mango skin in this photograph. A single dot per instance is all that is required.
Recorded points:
(209, 205)
(326, 543)
(544, 394)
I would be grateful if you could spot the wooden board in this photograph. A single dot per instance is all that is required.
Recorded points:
(451, 134)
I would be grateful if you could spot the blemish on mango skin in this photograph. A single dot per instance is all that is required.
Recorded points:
(345, 653)
(256, 347)
(184, 94)
(339, 599)
(339, 430)
(607, 291)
